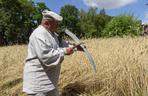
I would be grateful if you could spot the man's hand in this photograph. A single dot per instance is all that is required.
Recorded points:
(68, 51)
(79, 48)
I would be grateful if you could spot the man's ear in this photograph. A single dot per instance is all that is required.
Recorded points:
(46, 23)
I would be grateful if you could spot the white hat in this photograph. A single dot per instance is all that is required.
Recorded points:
(51, 15)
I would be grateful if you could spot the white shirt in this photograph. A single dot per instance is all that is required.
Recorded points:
(42, 68)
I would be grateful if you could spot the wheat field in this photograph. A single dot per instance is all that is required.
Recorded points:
(122, 69)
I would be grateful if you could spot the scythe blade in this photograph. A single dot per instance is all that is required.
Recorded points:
(86, 52)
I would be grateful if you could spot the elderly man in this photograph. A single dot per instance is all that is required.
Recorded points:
(42, 68)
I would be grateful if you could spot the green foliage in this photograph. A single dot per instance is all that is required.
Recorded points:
(87, 23)
(100, 21)
(3, 25)
(12, 19)
(38, 8)
(102, 12)
(122, 25)
(20, 17)
(70, 16)
(18, 20)
(91, 23)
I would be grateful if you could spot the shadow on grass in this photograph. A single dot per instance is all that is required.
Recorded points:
(78, 88)
(73, 89)
(11, 84)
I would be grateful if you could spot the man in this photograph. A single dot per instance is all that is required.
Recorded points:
(42, 68)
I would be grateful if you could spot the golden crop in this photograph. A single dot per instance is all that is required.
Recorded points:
(122, 69)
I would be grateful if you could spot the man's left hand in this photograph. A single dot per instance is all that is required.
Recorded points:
(79, 48)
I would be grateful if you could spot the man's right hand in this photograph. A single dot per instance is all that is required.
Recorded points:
(68, 51)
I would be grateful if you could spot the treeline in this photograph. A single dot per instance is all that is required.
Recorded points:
(18, 18)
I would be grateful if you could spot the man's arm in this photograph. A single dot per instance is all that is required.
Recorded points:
(46, 54)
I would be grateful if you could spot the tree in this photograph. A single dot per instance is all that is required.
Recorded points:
(86, 23)
(11, 20)
(100, 21)
(3, 26)
(122, 25)
(38, 8)
(26, 14)
(17, 20)
(91, 23)
(70, 16)
(102, 12)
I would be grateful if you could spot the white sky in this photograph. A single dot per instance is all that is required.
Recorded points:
(108, 4)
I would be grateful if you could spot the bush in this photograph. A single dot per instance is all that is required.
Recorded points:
(122, 25)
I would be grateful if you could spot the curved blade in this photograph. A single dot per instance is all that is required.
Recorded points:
(87, 54)
(73, 36)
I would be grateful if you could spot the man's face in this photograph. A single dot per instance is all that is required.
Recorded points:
(53, 25)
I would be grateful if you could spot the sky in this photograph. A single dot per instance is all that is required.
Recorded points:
(112, 7)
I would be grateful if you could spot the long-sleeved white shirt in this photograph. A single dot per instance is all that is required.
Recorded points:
(42, 68)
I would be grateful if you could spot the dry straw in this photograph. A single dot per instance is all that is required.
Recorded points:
(122, 69)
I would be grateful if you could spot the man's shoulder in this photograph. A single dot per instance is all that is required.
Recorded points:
(38, 33)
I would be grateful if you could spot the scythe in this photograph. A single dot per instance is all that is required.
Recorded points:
(86, 52)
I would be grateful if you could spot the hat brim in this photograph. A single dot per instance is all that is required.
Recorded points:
(52, 15)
